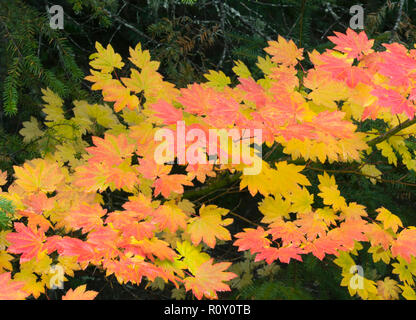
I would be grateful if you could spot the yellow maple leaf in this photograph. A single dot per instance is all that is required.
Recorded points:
(5, 259)
(105, 59)
(301, 200)
(241, 70)
(389, 220)
(142, 58)
(274, 208)
(388, 289)
(30, 130)
(53, 106)
(32, 285)
(38, 175)
(209, 226)
(371, 171)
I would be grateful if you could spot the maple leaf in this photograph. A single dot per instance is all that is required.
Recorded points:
(209, 226)
(241, 70)
(86, 217)
(142, 58)
(288, 174)
(106, 59)
(217, 79)
(253, 91)
(32, 285)
(379, 253)
(379, 236)
(208, 279)
(388, 289)
(3, 178)
(274, 209)
(195, 98)
(354, 44)
(284, 254)
(167, 184)
(80, 293)
(322, 246)
(260, 182)
(191, 256)
(325, 90)
(301, 200)
(312, 225)
(284, 52)
(405, 269)
(200, 171)
(169, 216)
(111, 150)
(252, 239)
(287, 231)
(353, 211)
(167, 112)
(38, 175)
(26, 241)
(332, 196)
(115, 92)
(31, 130)
(5, 259)
(389, 220)
(395, 101)
(405, 244)
(10, 289)
(68, 246)
(153, 247)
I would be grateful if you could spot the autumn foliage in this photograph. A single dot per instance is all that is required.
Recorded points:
(62, 217)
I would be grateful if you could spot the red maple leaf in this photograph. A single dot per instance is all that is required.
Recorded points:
(354, 44)
(392, 99)
(27, 241)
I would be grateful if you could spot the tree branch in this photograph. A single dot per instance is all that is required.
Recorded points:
(391, 132)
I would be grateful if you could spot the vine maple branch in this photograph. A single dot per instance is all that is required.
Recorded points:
(391, 132)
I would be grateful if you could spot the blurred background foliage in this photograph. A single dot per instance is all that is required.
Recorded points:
(190, 37)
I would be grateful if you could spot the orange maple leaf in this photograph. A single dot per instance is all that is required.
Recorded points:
(405, 244)
(208, 279)
(86, 217)
(252, 239)
(284, 52)
(80, 293)
(167, 184)
(10, 289)
(111, 150)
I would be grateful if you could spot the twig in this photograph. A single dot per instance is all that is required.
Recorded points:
(398, 20)
(128, 25)
(392, 132)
